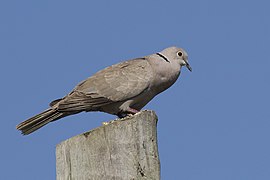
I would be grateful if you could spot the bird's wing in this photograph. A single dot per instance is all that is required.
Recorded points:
(118, 82)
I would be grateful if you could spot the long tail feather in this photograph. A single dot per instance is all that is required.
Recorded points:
(39, 121)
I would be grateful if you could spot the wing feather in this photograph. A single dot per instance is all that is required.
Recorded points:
(116, 83)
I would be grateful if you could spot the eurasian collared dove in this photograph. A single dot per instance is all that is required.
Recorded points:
(121, 89)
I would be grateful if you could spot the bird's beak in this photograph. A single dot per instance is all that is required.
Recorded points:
(188, 66)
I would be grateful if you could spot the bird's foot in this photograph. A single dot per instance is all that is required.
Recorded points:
(129, 112)
(122, 115)
(132, 111)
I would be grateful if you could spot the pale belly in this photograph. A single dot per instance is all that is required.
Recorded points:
(137, 103)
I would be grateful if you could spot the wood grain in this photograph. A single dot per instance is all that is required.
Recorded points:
(124, 149)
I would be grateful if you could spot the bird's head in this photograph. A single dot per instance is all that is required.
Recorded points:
(177, 54)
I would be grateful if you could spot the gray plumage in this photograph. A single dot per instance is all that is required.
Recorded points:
(120, 89)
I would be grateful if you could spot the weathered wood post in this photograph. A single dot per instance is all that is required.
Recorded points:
(124, 149)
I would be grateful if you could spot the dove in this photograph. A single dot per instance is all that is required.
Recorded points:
(121, 89)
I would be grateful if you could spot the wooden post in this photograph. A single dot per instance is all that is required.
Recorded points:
(124, 149)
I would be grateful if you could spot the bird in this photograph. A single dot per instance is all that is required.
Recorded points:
(122, 89)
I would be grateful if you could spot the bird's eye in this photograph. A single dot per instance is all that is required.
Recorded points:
(180, 53)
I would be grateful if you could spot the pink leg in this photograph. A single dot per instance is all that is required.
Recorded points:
(132, 111)
(128, 112)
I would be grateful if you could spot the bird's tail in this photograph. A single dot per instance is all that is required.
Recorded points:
(39, 121)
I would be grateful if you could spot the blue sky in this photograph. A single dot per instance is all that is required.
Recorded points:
(213, 123)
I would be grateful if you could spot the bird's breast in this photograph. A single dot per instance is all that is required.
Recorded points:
(165, 77)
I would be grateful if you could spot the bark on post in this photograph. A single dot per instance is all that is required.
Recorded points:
(124, 149)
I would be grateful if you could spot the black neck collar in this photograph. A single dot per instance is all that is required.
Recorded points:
(162, 56)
